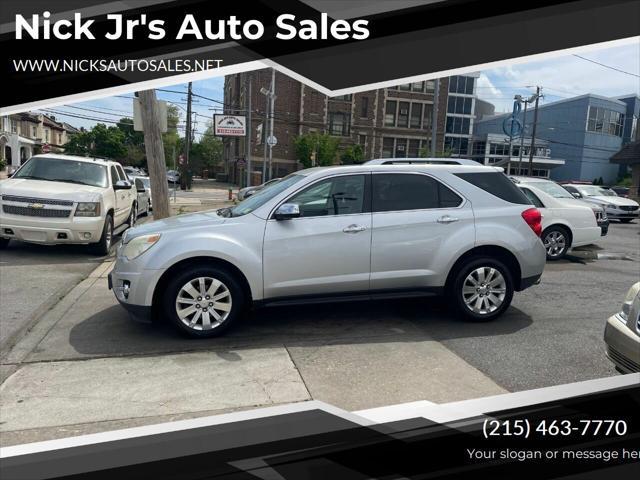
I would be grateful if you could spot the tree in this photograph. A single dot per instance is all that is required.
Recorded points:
(171, 139)
(323, 146)
(425, 152)
(352, 155)
(100, 141)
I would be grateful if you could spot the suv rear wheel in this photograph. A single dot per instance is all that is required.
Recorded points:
(482, 289)
(203, 302)
(4, 242)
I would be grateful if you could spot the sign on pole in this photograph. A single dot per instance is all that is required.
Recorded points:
(229, 125)
(46, 148)
(162, 115)
(272, 141)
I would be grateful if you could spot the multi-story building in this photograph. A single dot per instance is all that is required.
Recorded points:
(386, 122)
(22, 135)
(493, 149)
(585, 131)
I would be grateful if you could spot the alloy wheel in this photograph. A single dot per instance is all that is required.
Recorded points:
(108, 236)
(203, 303)
(133, 215)
(484, 290)
(555, 243)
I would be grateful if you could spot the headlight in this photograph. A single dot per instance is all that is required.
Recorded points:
(137, 246)
(628, 301)
(88, 209)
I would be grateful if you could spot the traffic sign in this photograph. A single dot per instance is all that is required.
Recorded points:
(272, 141)
(46, 148)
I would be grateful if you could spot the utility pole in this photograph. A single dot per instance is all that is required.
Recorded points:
(434, 117)
(184, 181)
(264, 133)
(524, 126)
(248, 143)
(272, 99)
(533, 133)
(154, 150)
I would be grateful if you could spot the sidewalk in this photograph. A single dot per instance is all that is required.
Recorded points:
(86, 367)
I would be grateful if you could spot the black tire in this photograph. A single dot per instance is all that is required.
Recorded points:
(459, 297)
(236, 301)
(133, 215)
(557, 241)
(103, 247)
(626, 220)
(4, 242)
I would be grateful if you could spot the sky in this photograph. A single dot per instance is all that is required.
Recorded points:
(561, 77)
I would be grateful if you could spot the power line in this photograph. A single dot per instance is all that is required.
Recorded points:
(607, 66)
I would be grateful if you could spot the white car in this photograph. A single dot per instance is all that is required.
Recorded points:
(56, 199)
(143, 188)
(618, 208)
(566, 222)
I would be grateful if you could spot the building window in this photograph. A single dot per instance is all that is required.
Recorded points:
(14, 126)
(402, 147)
(460, 125)
(346, 98)
(405, 87)
(459, 84)
(460, 105)
(603, 120)
(403, 114)
(364, 107)
(416, 115)
(390, 113)
(427, 116)
(34, 132)
(456, 145)
(479, 148)
(339, 124)
(362, 140)
(430, 85)
(46, 135)
(417, 87)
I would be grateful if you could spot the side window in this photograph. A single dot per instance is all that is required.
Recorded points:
(533, 197)
(139, 184)
(395, 192)
(114, 175)
(334, 196)
(123, 176)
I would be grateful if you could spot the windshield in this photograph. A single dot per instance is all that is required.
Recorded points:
(551, 188)
(62, 170)
(261, 197)
(593, 191)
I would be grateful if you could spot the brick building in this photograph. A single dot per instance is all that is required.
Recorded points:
(387, 122)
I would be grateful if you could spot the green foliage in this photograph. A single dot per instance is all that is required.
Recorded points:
(207, 153)
(425, 152)
(3, 164)
(324, 146)
(171, 140)
(100, 141)
(598, 181)
(352, 155)
(625, 181)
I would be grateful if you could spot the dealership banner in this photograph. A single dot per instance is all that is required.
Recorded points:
(58, 50)
(583, 430)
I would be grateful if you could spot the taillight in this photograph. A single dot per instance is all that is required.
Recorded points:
(533, 217)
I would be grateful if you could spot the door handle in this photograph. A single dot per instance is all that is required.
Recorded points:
(447, 219)
(354, 229)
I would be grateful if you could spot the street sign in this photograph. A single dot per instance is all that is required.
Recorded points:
(272, 141)
(46, 148)
(229, 125)
(241, 162)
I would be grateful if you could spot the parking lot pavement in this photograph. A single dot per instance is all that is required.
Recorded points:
(353, 355)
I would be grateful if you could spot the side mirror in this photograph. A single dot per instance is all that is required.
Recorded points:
(576, 194)
(249, 193)
(287, 211)
(122, 185)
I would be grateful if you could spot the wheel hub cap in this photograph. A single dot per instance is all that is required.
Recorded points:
(484, 290)
(554, 243)
(203, 303)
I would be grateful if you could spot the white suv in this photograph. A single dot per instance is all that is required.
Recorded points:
(338, 232)
(66, 199)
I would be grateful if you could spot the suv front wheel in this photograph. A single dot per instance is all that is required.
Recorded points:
(482, 289)
(203, 302)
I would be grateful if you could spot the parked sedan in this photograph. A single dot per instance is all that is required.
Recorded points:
(246, 192)
(618, 208)
(173, 176)
(143, 187)
(566, 222)
(622, 333)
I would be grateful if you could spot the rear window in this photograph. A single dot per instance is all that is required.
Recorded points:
(497, 184)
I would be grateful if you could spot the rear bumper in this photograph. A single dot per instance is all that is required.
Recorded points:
(529, 282)
(623, 345)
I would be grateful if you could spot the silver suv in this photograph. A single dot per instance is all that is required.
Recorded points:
(357, 231)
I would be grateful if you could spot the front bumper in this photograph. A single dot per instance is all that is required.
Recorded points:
(140, 313)
(604, 227)
(623, 345)
(72, 230)
(618, 213)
